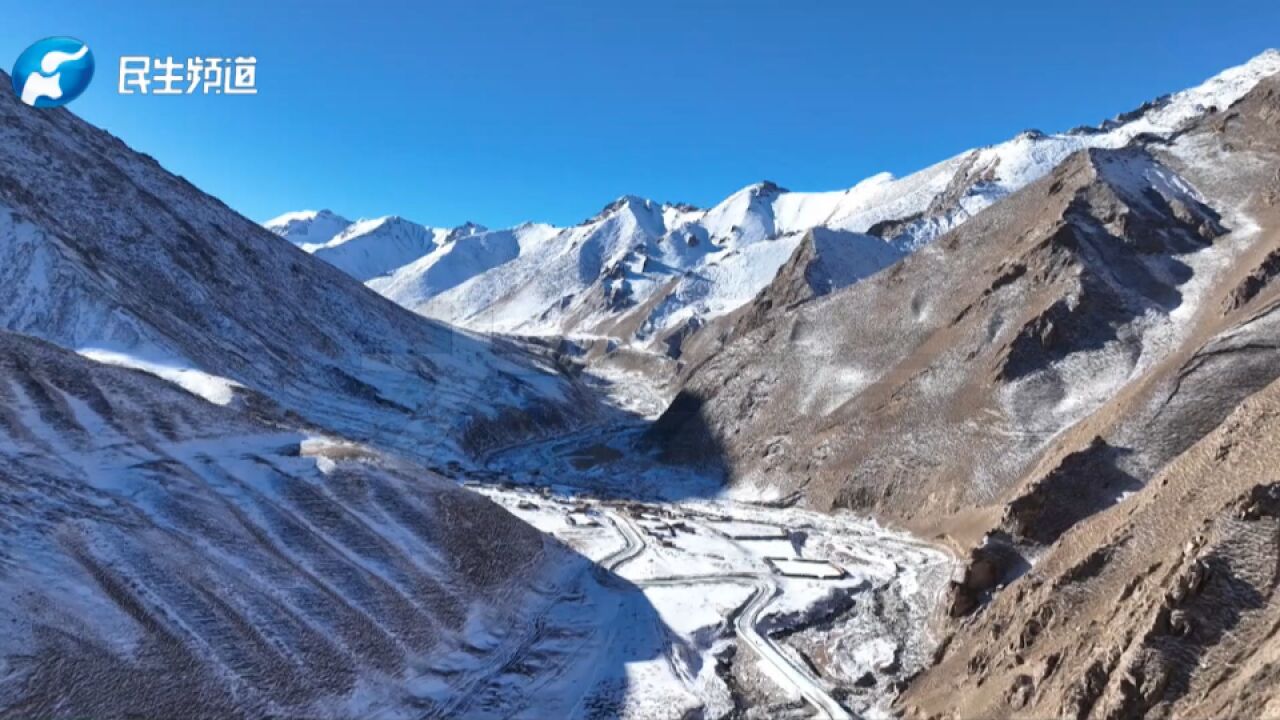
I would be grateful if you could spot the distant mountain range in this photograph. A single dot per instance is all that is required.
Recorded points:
(645, 274)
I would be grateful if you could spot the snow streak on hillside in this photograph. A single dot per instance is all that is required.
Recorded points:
(103, 252)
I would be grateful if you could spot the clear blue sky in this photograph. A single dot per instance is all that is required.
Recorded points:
(501, 112)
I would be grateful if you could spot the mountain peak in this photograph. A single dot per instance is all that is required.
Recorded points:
(631, 201)
(1267, 56)
(768, 187)
(634, 202)
(385, 221)
(763, 188)
(305, 216)
(466, 229)
(372, 247)
(308, 227)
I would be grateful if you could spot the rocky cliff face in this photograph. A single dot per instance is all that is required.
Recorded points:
(969, 350)
(1163, 606)
(1030, 388)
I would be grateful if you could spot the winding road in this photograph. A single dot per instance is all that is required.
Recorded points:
(746, 620)
(633, 542)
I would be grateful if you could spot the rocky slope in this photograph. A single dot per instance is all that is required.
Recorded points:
(214, 499)
(1159, 605)
(163, 556)
(1046, 387)
(1164, 606)
(104, 252)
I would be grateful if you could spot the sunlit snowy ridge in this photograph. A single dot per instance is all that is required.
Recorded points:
(641, 270)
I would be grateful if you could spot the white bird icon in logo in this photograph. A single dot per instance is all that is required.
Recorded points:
(48, 81)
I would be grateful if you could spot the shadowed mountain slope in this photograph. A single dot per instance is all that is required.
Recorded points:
(163, 556)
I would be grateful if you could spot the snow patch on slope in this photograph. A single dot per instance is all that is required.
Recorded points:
(217, 390)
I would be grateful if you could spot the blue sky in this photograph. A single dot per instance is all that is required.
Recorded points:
(501, 112)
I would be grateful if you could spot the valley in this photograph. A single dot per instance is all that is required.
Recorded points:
(999, 353)
(992, 439)
(747, 589)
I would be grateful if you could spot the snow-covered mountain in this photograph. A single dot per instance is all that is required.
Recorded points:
(640, 271)
(365, 249)
(154, 274)
(216, 453)
(227, 464)
(308, 227)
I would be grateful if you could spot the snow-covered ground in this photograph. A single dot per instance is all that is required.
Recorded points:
(726, 579)
(702, 562)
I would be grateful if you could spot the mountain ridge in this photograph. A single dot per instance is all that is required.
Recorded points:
(228, 469)
(1044, 388)
(175, 279)
(668, 268)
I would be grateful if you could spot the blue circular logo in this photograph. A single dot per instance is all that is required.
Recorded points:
(52, 72)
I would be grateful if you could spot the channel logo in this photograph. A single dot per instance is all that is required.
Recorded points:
(53, 72)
